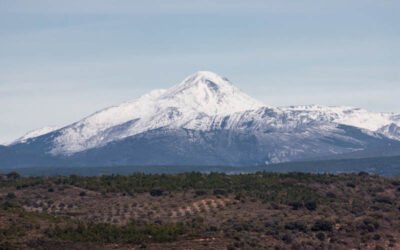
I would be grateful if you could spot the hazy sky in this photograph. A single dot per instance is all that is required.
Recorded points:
(62, 60)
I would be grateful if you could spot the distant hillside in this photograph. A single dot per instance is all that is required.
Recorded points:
(388, 166)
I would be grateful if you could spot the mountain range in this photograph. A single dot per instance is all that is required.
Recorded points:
(206, 121)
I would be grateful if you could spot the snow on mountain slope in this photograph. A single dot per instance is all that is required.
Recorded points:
(205, 101)
(356, 117)
(391, 131)
(202, 94)
(36, 133)
(206, 92)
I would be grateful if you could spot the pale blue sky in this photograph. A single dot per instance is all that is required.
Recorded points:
(62, 60)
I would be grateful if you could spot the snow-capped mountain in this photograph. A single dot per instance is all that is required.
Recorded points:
(205, 120)
(199, 97)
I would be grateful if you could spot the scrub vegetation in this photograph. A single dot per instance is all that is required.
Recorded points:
(200, 211)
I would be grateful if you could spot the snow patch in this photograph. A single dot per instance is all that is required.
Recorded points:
(36, 133)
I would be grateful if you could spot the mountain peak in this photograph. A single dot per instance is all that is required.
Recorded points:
(209, 93)
(207, 78)
(205, 73)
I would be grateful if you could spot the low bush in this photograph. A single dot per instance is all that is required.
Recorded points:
(351, 185)
(330, 195)
(320, 236)
(296, 225)
(200, 192)
(220, 192)
(11, 196)
(311, 205)
(322, 225)
(296, 205)
(368, 225)
(156, 192)
(383, 199)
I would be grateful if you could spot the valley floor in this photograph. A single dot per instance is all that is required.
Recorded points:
(200, 211)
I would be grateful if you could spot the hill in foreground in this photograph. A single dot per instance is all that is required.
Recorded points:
(200, 211)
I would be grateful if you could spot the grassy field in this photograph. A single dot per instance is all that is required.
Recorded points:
(200, 211)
